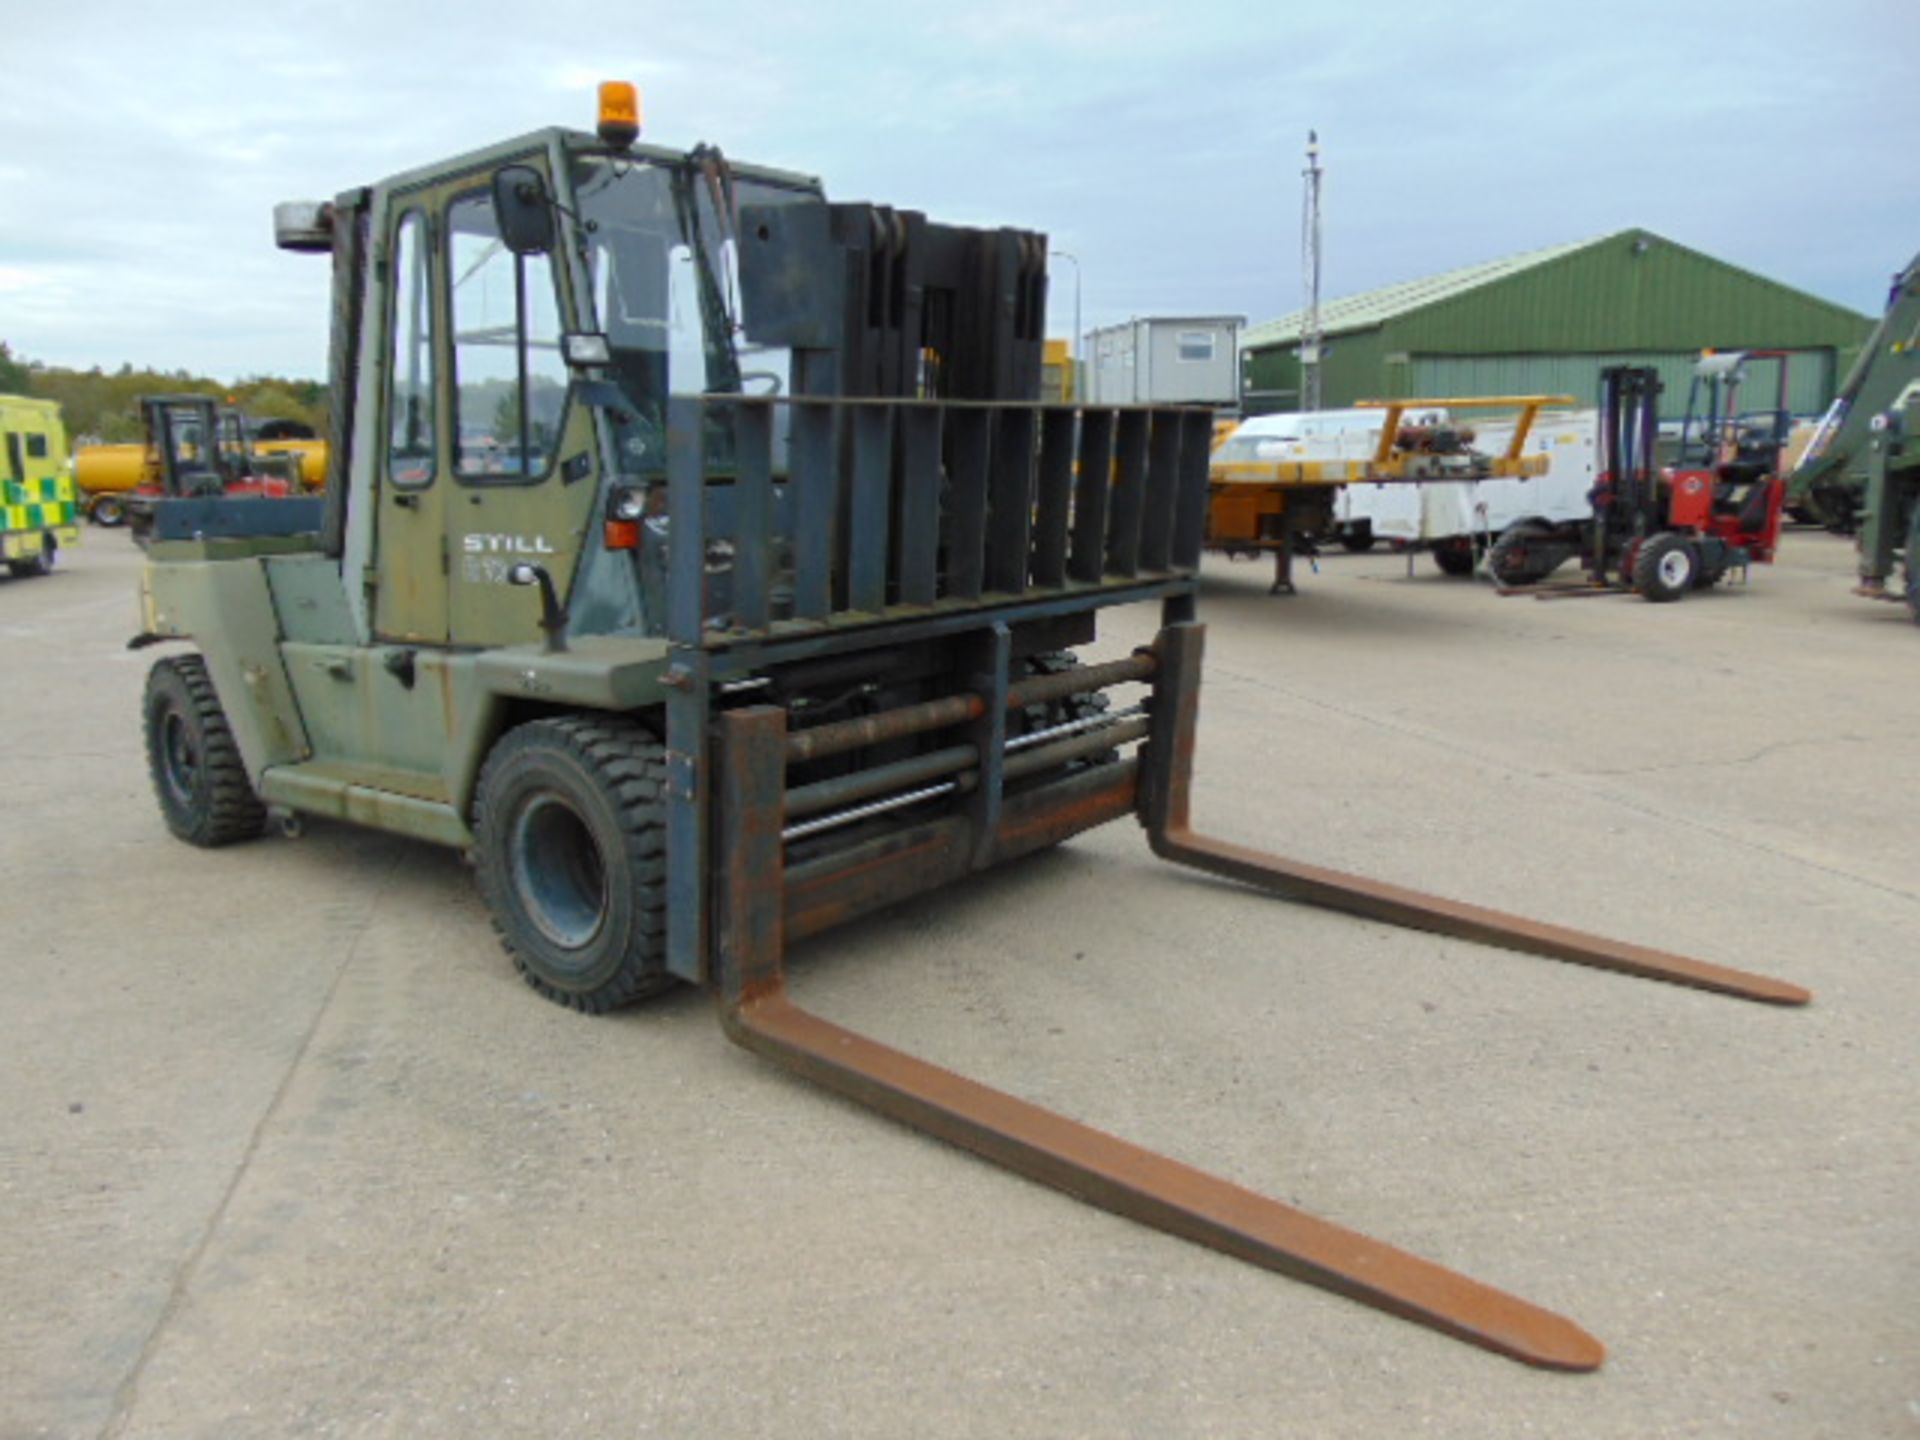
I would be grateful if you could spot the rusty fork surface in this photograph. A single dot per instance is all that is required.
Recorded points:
(1165, 812)
(1040, 1144)
(758, 1013)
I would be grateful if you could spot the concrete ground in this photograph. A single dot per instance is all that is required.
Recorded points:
(287, 1149)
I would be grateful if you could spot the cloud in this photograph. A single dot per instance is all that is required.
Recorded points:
(1162, 145)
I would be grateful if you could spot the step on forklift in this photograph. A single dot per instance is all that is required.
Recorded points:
(1665, 520)
(700, 561)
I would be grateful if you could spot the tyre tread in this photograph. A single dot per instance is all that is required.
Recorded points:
(233, 811)
(629, 764)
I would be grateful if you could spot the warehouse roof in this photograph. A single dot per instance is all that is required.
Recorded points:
(1375, 307)
(1711, 290)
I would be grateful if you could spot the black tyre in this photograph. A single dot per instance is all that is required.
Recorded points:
(198, 775)
(570, 835)
(109, 511)
(1357, 537)
(40, 564)
(1664, 568)
(1454, 557)
(1520, 556)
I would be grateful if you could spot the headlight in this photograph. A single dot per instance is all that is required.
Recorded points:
(627, 503)
(585, 348)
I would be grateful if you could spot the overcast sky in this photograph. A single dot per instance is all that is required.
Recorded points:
(143, 146)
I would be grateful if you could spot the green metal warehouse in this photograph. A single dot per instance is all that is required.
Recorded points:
(1548, 321)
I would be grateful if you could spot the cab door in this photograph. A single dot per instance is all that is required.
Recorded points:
(411, 474)
(524, 460)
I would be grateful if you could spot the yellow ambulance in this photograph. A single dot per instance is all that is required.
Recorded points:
(37, 513)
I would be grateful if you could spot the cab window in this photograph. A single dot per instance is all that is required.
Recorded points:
(510, 382)
(410, 378)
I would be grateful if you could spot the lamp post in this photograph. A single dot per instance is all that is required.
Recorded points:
(1075, 348)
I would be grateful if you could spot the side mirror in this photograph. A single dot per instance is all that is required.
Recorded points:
(522, 210)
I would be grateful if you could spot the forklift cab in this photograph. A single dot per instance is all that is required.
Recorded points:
(184, 446)
(1725, 476)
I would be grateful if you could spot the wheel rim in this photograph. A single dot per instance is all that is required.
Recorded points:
(1675, 569)
(179, 759)
(559, 873)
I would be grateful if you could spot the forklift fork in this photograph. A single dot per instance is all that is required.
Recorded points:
(1167, 803)
(758, 1014)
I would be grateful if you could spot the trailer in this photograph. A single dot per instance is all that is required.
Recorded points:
(1274, 485)
(1454, 518)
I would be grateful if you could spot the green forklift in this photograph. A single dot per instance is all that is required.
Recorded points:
(699, 559)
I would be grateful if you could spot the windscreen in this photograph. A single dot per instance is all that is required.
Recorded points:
(663, 265)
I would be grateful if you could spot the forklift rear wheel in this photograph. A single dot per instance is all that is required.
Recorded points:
(198, 775)
(570, 850)
(1664, 568)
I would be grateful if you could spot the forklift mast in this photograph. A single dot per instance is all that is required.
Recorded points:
(1626, 502)
(184, 444)
(896, 306)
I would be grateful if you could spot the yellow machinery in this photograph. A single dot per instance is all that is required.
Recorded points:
(1057, 378)
(1260, 497)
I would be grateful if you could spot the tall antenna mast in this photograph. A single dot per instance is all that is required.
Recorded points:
(1310, 336)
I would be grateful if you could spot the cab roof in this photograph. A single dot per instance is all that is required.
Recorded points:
(577, 142)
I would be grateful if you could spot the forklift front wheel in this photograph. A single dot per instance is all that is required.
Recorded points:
(570, 850)
(1664, 568)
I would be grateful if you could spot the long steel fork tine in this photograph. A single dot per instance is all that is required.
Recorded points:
(1154, 1189)
(1167, 799)
(1040, 1144)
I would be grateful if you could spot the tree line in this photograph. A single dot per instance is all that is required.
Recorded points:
(100, 405)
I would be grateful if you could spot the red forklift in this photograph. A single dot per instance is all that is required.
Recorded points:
(196, 449)
(1668, 517)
